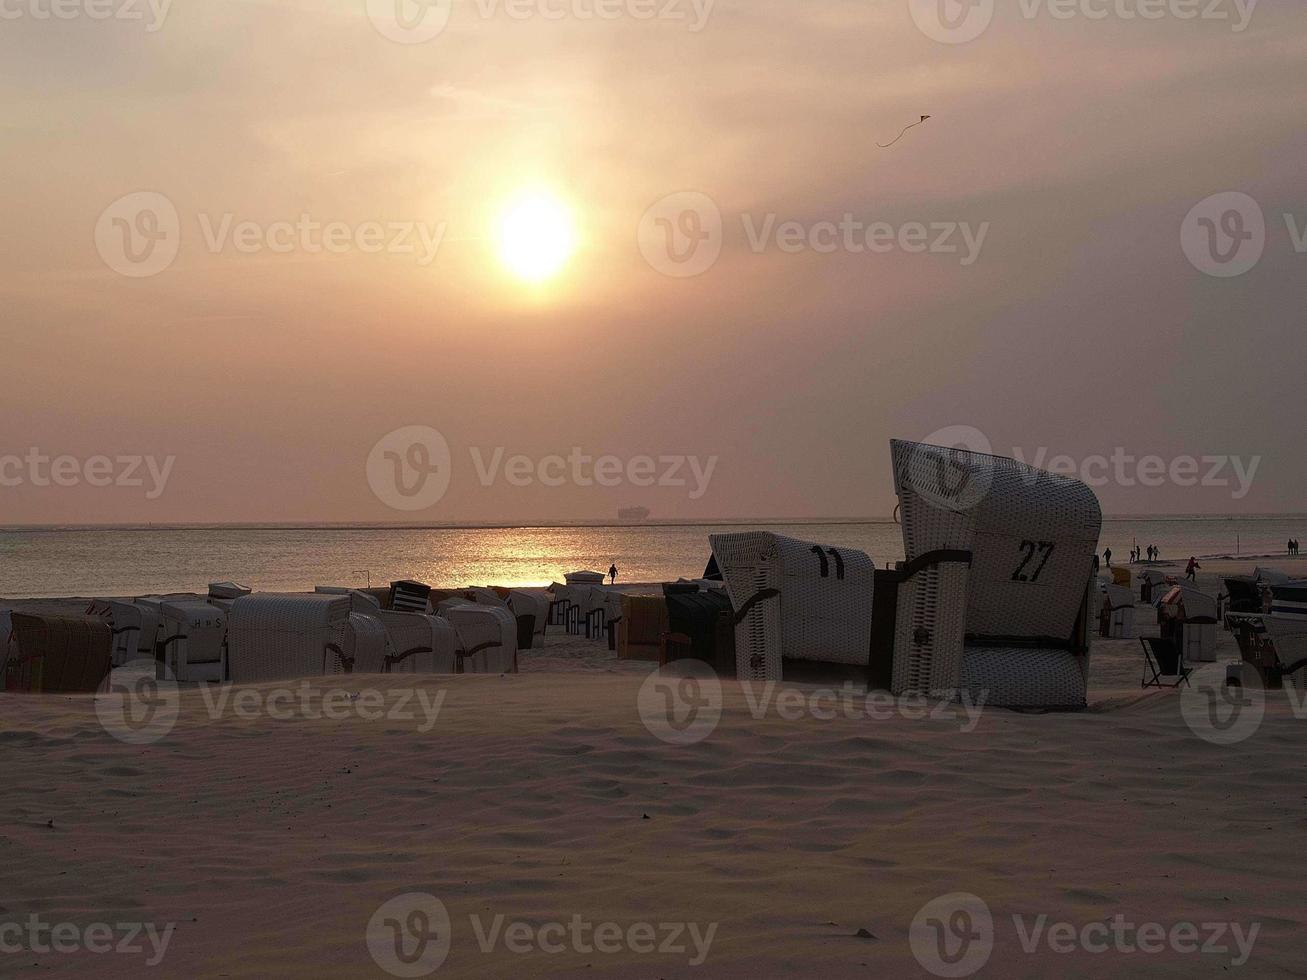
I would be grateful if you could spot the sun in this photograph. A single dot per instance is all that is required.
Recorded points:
(536, 237)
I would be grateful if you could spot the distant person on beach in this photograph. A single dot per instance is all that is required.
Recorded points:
(1107, 557)
(1190, 572)
(612, 573)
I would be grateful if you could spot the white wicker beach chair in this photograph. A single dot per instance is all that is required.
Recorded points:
(135, 628)
(1118, 612)
(1000, 560)
(273, 637)
(795, 599)
(1189, 618)
(192, 638)
(487, 637)
(419, 643)
(360, 645)
(531, 602)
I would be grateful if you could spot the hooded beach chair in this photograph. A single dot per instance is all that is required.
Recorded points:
(794, 599)
(360, 645)
(419, 643)
(1116, 619)
(995, 590)
(135, 628)
(192, 638)
(410, 597)
(501, 598)
(1188, 617)
(273, 637)
(55, 654)
(487, 637)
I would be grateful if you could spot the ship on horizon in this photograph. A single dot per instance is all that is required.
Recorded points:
(634, 513)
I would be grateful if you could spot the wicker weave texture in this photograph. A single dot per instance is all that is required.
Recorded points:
(408, 632)
(479, 625)
(1024, 678)
(272, 637)
(823, 612)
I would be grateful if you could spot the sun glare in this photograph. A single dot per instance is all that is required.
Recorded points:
(536, 237)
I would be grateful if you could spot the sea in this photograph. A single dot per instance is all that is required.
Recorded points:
(143, 560)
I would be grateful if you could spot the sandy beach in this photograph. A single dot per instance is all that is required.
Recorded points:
(779, 845)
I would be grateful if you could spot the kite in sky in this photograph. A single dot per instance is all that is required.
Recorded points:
(886, 146)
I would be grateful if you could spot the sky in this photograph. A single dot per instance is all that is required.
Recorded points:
(710, 317)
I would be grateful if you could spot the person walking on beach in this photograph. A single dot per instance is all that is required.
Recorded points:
(1107, 557)
(612, 573)
(1191, 572)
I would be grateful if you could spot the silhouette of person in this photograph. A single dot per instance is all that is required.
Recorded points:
(1191, 572)
(1107, 557)
(612, 573)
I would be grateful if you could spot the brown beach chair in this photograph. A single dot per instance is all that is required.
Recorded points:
(58, 654)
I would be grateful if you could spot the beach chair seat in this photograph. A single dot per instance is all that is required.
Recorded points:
(794, 600)
(192, 639)
(1163, 658)
(995, 591)
(55, 654)
(273, 637)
